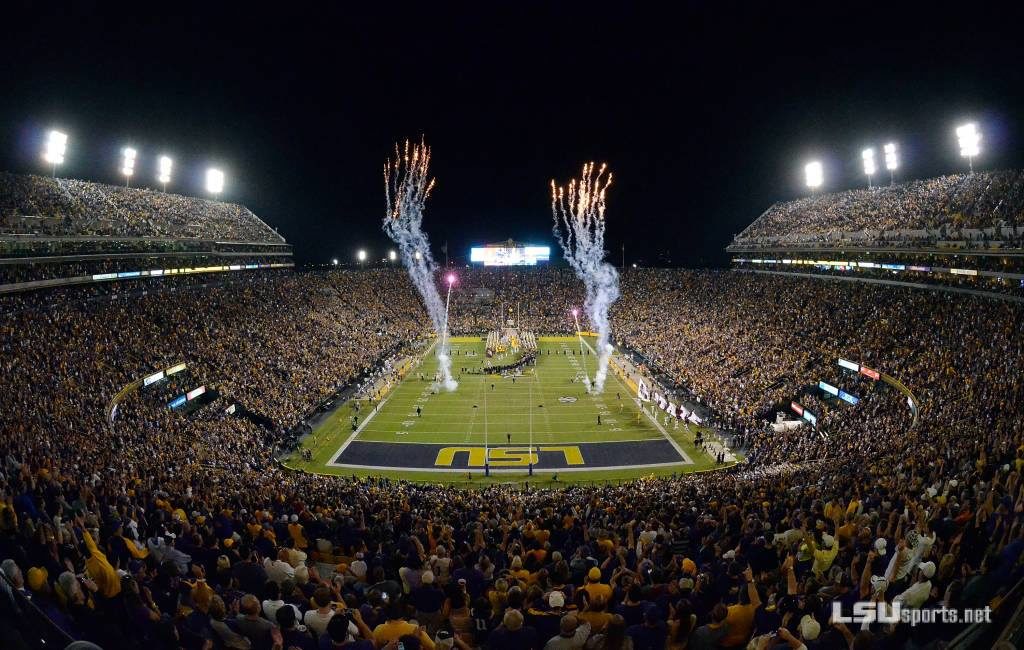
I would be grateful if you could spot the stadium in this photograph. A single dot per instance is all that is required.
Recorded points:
(220, 431)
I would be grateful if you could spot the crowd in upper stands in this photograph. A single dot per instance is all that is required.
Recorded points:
(22, 272)
(57, 207)
(948, 207)
(168, 531)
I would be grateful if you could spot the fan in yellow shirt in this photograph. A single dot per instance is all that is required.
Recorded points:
(395, 627)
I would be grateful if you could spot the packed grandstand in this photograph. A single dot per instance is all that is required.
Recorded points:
(148, 526)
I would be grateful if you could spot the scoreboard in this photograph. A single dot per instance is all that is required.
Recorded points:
(509, 255)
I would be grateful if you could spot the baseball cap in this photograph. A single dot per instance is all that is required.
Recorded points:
(881, 545)
(556, 599)
(809, 628)
(927, 568)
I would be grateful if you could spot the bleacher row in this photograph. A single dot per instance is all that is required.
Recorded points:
(57, 207)
(984, 206)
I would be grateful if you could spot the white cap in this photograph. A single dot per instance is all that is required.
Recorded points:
(927, 568)
(809, 628)
(881, 545)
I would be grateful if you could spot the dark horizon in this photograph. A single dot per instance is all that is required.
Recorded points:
(705, 116)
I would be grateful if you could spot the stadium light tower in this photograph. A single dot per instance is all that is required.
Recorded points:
(164, 171)
(56, 147)
(128, 164)
(450, 279)
(334, 261)
(392, 255)
(891, 161)
(815, 174)
(418, 255)
(868, 155)
(970, 140)
(214, 181)
(361, 256)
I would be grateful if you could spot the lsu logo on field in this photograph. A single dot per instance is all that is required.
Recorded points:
(505, 456)
(567, 399)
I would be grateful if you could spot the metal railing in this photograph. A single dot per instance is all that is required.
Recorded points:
(1006, 626)
(21, 617)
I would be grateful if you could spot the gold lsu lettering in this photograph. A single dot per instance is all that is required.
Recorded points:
(505, 456)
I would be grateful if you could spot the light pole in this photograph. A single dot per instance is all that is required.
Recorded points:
(128, 165)
(891, 161)
(969, 139)
(56, 147)
(450, 279)
(815, 174)
(214, 181)
(164, 171)
(868, 156)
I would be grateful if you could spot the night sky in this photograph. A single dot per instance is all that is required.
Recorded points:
(705, 113)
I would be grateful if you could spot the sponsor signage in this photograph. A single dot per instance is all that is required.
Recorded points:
(868, 372)
(195, 392)
(849, 365)
(177, 401)
(799, 410)
(152, 379)
(642, 391)
(810, 417)
(846, 397)
(828, 388)
(175, 369)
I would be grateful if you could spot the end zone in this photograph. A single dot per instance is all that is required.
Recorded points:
(561, 457)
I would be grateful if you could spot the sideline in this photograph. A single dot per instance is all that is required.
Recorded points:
(654, 420)
(368, 418)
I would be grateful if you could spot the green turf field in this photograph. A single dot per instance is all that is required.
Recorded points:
(546, 405)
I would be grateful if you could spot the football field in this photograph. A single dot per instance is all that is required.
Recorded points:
(538, 418)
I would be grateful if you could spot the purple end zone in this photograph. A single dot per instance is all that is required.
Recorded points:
(578, 456)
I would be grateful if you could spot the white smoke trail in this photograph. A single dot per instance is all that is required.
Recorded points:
(579, 227)
(407, 185)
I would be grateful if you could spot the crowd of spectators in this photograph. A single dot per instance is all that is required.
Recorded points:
(59, 207)
(165, 531)
(947, 207)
